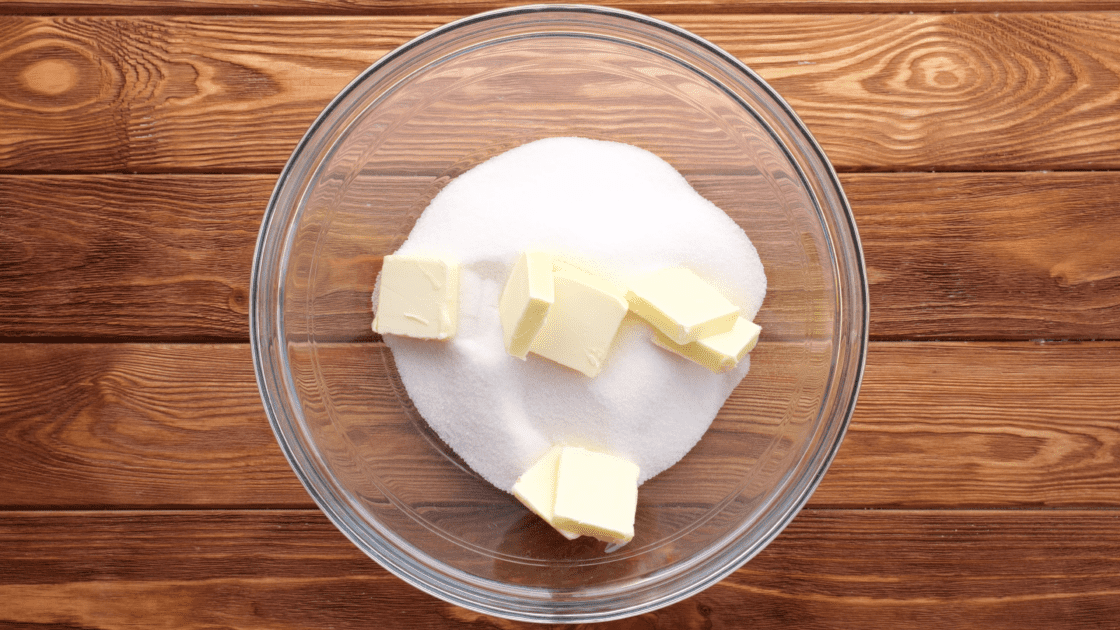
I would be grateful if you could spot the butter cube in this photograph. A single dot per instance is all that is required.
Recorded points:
(525, 301)
(681, 305)
(583, 320)
(596, 495)
(418, 297)
(536, 488)
(718, 353)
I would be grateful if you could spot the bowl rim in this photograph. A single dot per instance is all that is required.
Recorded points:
(445, 588)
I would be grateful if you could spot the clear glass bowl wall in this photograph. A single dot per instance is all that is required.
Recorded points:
(447, 102)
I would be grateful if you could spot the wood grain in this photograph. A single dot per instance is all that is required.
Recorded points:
(175, 93)
(125, 257)
(984, 425)
(466, 7)
(881, 92)
(997, 257)
(143, 425)
(285, 569)
(167, 257)
(954, 424)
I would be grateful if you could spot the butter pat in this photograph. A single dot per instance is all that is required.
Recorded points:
(596, 495)
(583, 320)
(418, 297)
(718, 353)
(525, 301)
(681, 305)
(536, 489)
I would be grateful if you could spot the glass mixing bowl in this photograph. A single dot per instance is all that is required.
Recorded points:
(438, 106)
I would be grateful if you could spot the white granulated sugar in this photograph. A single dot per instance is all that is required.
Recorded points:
(611, 207)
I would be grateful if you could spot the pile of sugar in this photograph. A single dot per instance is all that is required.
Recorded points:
(609, 207)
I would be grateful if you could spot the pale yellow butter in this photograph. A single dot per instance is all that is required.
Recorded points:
(536, 488)
(525, 301)
(718, 353)
(596, 495)
(583, 320)
(418, 297)
(681, 305)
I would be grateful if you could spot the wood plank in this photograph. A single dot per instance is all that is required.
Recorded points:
(168, 257)
(959, 256)
(176, 93)
(125, 257)
(140, 425)
(984, 425)
(873, 569)
(467, 7)
(937, 425)
(881, 92)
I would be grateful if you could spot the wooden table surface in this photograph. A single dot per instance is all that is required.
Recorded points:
(979, 483)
